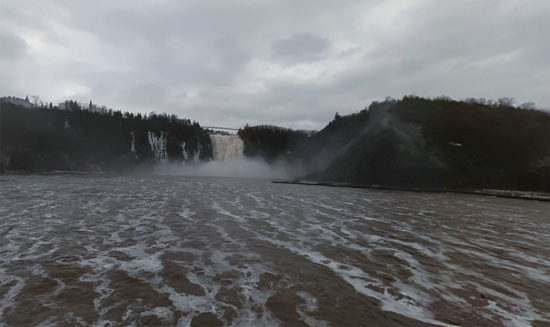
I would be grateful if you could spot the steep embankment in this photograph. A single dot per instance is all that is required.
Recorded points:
(39, 139)
(272, 143)
(416, 142)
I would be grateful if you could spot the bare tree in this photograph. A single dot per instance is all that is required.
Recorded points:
(528, 105)
(506, 101)
(35, 99)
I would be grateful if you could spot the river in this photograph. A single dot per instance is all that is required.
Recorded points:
(110, 250)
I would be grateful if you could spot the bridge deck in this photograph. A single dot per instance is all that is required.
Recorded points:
(217, 127)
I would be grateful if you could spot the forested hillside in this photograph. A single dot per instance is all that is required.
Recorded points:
(434, 143)
(412, 142)
(74, 137)
(271, 143)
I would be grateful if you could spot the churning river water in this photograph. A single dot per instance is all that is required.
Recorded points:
(97, 250)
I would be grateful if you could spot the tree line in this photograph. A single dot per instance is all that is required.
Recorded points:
(75, 137)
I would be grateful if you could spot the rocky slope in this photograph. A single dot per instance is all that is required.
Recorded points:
(416, 142)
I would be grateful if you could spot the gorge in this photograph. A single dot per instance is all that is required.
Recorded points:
(412, 142)
(160, 236)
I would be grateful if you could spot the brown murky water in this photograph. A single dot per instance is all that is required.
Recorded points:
(132, 251)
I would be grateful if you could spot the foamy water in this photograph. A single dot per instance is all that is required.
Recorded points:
(174, 250)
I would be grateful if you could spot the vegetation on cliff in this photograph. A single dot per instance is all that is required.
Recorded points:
(76, 137)
(271, 143)
(417, 142)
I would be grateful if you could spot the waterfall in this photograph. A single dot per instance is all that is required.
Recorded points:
(197, 155)
(183, 151)
(226, 147)
(158, 146)
(133, 144)
(189, 154)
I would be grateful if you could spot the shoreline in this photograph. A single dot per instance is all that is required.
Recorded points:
(511, 194)
(501, 193)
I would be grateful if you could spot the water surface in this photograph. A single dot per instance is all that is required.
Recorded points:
(98, 250)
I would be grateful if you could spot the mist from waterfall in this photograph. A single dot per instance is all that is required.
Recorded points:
(236, 167)
(228, 161)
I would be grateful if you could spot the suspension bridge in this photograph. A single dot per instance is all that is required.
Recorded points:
(222, 129)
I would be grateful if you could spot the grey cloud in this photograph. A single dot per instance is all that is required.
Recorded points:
(237, 62)
(12, 47)
(300, 47)
(146, 95)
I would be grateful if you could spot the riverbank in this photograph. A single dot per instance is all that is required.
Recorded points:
(513, 194)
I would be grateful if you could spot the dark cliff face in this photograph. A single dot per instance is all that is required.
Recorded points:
(272, 143)
(39, 139)
(416, 142)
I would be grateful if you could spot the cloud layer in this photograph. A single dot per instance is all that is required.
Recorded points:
(290, 63)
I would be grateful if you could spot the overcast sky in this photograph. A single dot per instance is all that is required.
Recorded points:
(291, 63)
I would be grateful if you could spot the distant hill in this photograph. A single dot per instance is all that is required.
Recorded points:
(416, 142)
